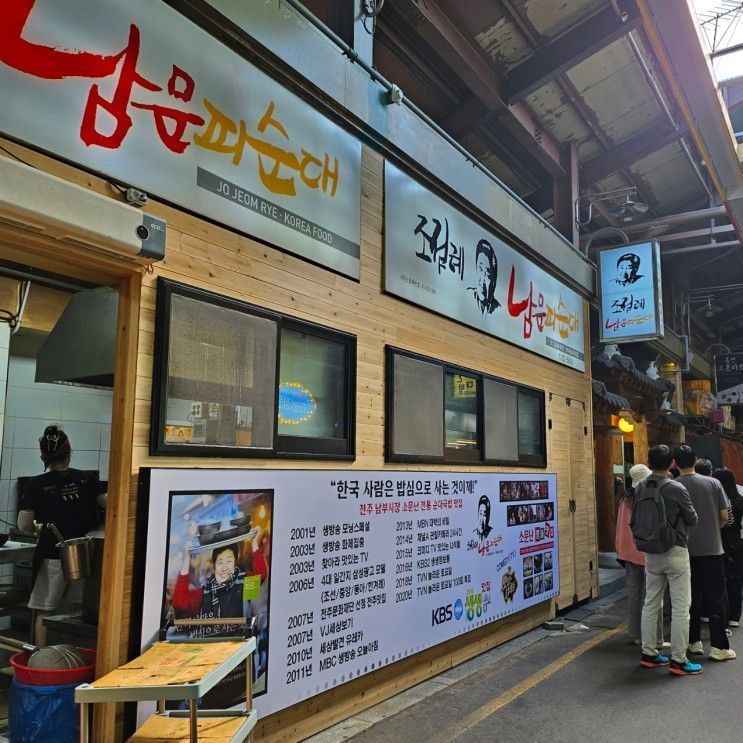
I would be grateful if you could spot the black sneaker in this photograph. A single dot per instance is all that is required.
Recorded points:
(654, 661)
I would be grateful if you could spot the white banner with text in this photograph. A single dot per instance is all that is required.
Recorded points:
(137, 92)
(327, 561)
(437, 258)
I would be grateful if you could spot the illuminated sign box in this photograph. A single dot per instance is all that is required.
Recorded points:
(631, 308)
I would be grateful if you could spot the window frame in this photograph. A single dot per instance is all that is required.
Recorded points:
(282, 446)
(450, 455)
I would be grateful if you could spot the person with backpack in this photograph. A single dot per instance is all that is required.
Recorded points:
(732, 543)
(632, 560)
(708, 593)
(661, 515)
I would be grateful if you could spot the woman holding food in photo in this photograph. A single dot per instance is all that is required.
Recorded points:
(220, 594)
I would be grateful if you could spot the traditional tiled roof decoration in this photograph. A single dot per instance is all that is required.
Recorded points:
(606, 399)
(630, 375)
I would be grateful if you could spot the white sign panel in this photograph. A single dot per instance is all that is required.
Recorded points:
(630, 293)
(729, 378)
(328, 561)
(139, 93)
(440, 259)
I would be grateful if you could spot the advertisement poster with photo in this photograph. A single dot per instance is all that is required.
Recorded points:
(630, 293)
(729, 378)
(439, 259)
(147, 98)
(326, 561)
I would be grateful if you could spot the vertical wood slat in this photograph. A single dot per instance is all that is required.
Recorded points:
(115, 609)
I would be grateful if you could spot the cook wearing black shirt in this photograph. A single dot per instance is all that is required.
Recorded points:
(67, 498)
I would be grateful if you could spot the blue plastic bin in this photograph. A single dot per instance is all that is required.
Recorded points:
(43, 714)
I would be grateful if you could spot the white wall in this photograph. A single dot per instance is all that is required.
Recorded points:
(83, 413)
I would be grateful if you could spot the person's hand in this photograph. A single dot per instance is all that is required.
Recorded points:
(185, 567)
(256, 541)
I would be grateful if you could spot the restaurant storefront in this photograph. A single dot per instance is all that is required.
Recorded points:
(367, 389)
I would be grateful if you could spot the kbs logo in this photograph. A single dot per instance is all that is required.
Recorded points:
(441, 615)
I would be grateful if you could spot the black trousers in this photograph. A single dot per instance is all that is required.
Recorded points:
(708, 593)
(734, 580)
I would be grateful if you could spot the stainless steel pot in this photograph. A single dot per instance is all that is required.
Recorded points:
(76, 555)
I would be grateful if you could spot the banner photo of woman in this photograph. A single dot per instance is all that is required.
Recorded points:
(217, 567)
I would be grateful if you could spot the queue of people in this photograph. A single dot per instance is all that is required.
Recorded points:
(680, 533)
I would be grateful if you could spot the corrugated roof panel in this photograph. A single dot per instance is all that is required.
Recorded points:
(504, 43)
(553, 17)
(669, 176)
(610, 183)
(613, 86)
(557, 114)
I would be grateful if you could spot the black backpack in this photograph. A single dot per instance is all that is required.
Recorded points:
(650, 528)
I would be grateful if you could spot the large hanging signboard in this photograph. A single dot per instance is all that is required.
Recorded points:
(137, 92)
(437, 258)
(729, 378)
(630, 293)
(328, 561)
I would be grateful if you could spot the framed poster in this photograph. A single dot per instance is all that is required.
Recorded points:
(630, 301)
(327, 561)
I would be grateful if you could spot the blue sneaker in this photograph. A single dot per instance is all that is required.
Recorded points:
(654, 661)
(687, 668)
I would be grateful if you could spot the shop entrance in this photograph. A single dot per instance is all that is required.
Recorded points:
(93, 404)
(58, 345)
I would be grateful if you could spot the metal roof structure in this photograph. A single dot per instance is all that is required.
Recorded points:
(589, 110)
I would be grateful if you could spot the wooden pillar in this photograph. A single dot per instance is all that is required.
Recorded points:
(606, 500)
(114, 610)
(565, 195)
(640, 443)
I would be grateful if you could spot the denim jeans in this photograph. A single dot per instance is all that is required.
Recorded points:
(669, 568)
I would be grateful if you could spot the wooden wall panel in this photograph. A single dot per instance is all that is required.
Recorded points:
(213, 258)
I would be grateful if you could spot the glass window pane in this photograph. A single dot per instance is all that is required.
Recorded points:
(501, 426)
(418, 408)
(530, 424)
(221, 376)
(461, 412)
(312, 386)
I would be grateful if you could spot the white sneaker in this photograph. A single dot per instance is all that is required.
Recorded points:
(728, 632)
(696, 648)
(663, 645)
(721, 654)
(733, 623)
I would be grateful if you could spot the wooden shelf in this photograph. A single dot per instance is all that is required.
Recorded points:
(213, 727)
(177, 671)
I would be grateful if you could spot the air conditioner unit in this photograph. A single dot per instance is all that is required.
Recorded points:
(47, 205)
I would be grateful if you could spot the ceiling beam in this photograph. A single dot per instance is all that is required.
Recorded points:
(705, 232)
(628, 152)
(525, 26)
(476, 72)
(568, 50)
(696, 248)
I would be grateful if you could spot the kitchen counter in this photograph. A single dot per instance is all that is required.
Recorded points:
(16, 552)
